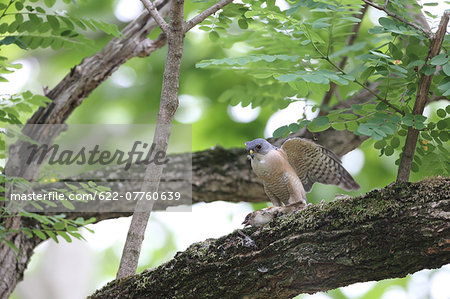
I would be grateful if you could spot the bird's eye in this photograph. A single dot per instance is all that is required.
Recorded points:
(258, 147)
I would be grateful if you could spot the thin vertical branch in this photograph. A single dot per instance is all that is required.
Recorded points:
(175, 33)
(167, 108)
(404, 168)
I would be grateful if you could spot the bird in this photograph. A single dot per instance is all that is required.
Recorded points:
(289, 172)
(261, 217)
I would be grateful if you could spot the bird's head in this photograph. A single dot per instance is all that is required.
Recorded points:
(248, 220)
(258, 146)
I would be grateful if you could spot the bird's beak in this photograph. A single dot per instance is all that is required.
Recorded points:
(246, 220)
(251, 153)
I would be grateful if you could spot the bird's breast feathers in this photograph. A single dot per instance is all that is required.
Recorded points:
(274, 163)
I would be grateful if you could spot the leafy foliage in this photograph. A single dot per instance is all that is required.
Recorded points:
(312, 39)
(40, 225)
(30, 26)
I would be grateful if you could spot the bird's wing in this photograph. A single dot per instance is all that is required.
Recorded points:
(314, 163)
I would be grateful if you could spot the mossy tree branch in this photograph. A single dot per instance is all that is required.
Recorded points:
(387, 233)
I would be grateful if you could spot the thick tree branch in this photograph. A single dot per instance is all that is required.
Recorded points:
(423, 89)
(387, 233)
(206, 13)
(426, 32)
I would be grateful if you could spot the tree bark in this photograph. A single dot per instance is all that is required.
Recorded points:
(167, 108)
(387, 233)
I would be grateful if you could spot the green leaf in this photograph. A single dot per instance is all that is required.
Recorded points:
(441, 113)
(65, 236)
(315, 78)
(415, 63)
(395, 52)
(59, 225)
(318, 124)
(52, 235)
(444, 85)
(402, 132)
(18, 5)
(388, 150)
(367, 73)
(376, 30)
(379, 144)
(294, 127)
(352, 126)
(387, 23)
(214, 36)
(446, 68)
(439, 59)
(399, 69)
(40, 9)
(53, 21)
(321, 121)
(381, 106)
(287, 78)
(395, 142)
(49, 3)
(204, 28)
(339, 126)
(242, 24)
(40, 234)
(365, 129)
(443, 124)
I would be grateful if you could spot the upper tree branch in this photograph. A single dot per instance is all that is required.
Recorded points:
(156, 16)
(391, 14)
(423, 89)
(387, 233)
(206, 13)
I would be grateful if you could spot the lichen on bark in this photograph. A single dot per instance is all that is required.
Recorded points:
(384, 234)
